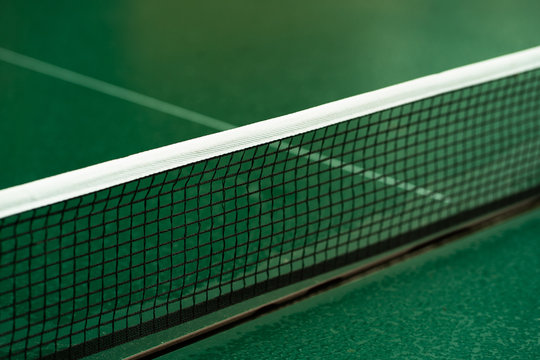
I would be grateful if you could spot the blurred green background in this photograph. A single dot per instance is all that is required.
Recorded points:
(239, 61)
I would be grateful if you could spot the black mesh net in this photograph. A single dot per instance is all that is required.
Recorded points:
(95, 271)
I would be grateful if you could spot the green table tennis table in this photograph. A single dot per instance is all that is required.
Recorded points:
(85, 83)
(473, 298)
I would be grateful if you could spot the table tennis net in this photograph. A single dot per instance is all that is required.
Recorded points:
(86, 274)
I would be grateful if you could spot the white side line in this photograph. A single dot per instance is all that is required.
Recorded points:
(110, 89)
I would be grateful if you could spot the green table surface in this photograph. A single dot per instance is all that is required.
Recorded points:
(237, 61)
(474, 298)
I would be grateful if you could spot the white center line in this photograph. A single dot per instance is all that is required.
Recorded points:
(72, 77)
(110, 89)
(368, 174)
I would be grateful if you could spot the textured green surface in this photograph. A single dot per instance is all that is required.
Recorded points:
(239, 61)
(473, 298)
